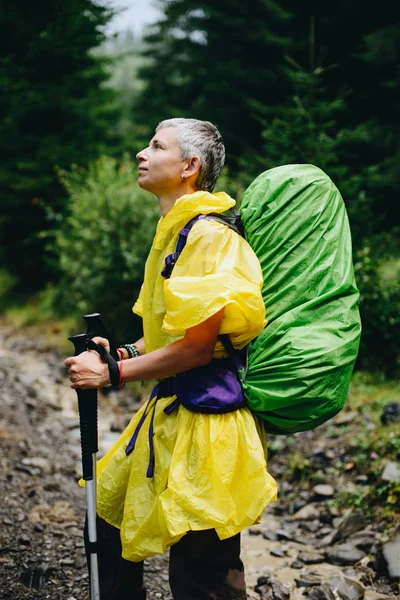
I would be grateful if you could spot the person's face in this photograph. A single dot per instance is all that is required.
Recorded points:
(160, 165)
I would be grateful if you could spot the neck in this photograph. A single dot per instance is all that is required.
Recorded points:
(167, 200)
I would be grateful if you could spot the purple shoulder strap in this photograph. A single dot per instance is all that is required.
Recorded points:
(170, 261)
(231, 222)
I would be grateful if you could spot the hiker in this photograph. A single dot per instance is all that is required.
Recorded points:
(177, 478)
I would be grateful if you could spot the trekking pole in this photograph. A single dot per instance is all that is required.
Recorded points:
(87, 406)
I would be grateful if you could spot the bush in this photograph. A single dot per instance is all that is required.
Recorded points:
(103, 243)
(378, 278)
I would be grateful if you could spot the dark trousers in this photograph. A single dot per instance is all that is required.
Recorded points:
(201, 567)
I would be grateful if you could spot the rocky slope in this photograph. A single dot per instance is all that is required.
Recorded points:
(306, 543)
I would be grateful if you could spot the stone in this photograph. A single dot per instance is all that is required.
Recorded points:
(271, 536)
(310, 558)
(278, 552)
(310, 526)
(391, 413)
(37, 462)
(271, 590)
(364, 540)
(354, 522)
(391, 554)
(296, 564)
(345, 417)
(344, 554)
(322, 592)
(362, 479)
(391, 472)
(324, 489)
(346, 588)
(308, 580)
(36, 576)
(309, 512)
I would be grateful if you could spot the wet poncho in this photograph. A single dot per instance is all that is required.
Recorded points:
(210, 470)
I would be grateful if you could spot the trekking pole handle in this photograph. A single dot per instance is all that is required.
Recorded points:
(87, 406)
(95, 327)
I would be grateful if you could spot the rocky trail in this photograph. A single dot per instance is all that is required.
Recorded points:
(304, 545)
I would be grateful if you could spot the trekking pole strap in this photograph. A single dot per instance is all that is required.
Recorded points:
(107, 358)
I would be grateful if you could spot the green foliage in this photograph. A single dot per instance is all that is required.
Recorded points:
(378, 278)
(103, 244)
(56, 111)
(216, 60)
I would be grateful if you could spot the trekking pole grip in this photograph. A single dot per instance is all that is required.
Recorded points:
(95, 327)
(87, 406)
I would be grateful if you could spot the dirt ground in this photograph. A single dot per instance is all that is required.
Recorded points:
(43, 508)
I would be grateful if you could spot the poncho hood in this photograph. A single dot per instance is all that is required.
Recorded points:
(187, 207)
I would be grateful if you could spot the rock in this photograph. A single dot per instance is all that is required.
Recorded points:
(24, 540)
(284, 535)
(59, 512)
(322, 592)
(80, 562)
(347, 589)
(278, 552)
(310, 526)
(354, 522)
(37, 462)
(345, 417)
(364, 540)
(310, 558)
(344, 554)
(391, 413)
(362, 479)
(326, 539)
(36, 576)
(324, 489)
(271, 590)
(255, 530)
(307, 513)
(296, 564)
(326, 518)
(391, 554)
(308, 580)
(391, 472)
(270, 535)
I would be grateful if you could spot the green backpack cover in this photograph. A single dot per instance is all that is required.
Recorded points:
(299, 367)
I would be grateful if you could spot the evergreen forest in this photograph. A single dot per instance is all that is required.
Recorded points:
(284, 81)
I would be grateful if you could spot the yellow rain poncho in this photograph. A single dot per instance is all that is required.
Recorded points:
(210, 470)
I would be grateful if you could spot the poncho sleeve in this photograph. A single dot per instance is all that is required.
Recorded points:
(138, 306)
(217, 269)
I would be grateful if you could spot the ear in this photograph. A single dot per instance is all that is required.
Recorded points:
(192, 168)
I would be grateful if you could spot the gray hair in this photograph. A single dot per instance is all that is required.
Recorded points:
(202, 139)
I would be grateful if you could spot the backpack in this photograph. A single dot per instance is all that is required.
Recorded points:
(299, 367)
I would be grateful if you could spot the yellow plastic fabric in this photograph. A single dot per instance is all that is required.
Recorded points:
(210, 470)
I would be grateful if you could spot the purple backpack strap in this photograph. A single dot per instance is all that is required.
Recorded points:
(171, 259)
(231, 222)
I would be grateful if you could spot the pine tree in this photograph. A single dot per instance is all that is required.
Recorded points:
(55, 111)
(217, 60)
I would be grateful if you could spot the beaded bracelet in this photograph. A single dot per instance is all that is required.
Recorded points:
(131, 350)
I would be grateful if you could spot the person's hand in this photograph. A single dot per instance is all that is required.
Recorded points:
(87, 371)
(102, 342)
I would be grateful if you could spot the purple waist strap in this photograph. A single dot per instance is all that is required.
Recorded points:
(162, 390)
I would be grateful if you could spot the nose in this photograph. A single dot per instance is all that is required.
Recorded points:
(142, 155)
